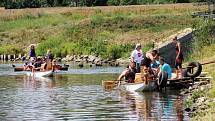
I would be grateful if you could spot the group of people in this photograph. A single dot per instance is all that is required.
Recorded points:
(152, 63)
(38, 63)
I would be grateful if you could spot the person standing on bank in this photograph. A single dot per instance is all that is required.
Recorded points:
(137, 56)
(179, 58)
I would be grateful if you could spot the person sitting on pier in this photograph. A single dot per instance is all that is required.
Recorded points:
(129, 73)
(165, 67)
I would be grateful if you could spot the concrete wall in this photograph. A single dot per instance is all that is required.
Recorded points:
(167, 49)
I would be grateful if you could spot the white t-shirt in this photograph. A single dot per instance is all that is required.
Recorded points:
(137, 55)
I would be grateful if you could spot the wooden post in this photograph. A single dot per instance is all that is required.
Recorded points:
(5, 58)
(9, 57)
(20, 56)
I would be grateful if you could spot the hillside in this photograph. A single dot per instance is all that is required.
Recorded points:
(107, 31)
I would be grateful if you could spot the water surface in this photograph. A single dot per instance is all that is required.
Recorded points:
(79, 95)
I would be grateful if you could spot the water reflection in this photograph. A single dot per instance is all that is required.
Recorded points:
(155, 105)
(82, 97)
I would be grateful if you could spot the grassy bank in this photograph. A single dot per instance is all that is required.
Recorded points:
(203, 51)
(110, 32)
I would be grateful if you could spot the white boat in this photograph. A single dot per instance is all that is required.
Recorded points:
(40, 73)
(139, 87)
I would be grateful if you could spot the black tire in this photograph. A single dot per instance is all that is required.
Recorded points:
(195, 73)
(162, 79)
(185, 73)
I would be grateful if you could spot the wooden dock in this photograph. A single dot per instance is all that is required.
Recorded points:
(187, 81)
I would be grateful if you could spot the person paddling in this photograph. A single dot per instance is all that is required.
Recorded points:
(129, 73)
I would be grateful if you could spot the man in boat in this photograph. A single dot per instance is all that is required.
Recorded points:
(128, 73)
(137, 56)
(165, 67)
(37, 64)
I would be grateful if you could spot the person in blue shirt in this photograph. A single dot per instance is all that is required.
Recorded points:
(165, 67)
(156, 64)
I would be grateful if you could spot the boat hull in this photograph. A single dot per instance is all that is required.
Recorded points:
(139, 87)
(40, 73)
(61, 68)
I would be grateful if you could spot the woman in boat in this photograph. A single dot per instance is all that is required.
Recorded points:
(129, 73)
(49, 56)
(30, 64)
(32, 53)
(179, 58)
(137, 56)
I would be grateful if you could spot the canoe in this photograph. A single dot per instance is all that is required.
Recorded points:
(61, 68)
(140, 87)
(40, 73)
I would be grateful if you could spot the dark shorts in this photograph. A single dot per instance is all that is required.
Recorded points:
(146, 62)
(178, 65)
(137, 65)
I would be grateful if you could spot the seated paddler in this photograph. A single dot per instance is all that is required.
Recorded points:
(129, 73)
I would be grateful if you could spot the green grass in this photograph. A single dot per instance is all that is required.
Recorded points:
(102, 31)
(203, 51)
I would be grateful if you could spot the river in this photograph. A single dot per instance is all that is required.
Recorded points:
(78, 95)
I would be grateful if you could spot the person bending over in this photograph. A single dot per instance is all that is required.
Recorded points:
(129, 73)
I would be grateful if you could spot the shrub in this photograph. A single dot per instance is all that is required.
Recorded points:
(204, 34)
(52, 43)
(114, 51)
(10, 49)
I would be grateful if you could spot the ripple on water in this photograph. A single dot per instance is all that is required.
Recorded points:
(64, 98)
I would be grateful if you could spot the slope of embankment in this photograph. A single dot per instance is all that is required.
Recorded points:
(107, 31)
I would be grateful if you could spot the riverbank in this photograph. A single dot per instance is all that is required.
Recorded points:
(201, 97)
(110, 32)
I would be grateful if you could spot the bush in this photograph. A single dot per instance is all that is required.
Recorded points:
(52, 43)
(10, 49)
(114, 51)
(11, 4)
(204, 34)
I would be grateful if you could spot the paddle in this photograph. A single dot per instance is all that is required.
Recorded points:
(119, 83)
